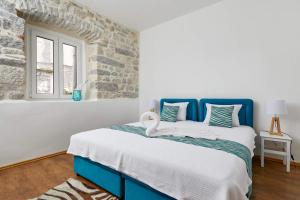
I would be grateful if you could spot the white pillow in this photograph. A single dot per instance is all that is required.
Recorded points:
(235, 113)
(181, 115)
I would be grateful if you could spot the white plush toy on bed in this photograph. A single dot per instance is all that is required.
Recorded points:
(151, 125)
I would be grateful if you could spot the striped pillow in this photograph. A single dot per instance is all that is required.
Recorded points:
(169, 113)
(221, 116)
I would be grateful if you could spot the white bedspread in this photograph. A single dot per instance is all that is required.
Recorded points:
(179, 170)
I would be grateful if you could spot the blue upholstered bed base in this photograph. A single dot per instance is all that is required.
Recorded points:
(135, 190)
(128, 188)
(120, 185)
(101, 175)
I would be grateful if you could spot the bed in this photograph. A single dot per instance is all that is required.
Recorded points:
(127, 164)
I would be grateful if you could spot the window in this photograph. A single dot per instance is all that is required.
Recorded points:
(54, 63)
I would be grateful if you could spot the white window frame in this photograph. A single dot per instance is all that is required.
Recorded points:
(32, 32)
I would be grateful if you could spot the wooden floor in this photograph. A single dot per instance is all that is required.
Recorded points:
(31, 180)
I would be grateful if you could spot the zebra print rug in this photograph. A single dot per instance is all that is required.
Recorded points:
(75, 190)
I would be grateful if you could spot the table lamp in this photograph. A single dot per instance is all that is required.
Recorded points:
(152, 105)
(276, 108)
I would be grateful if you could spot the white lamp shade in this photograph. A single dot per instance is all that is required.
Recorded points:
(276, 107)
(152, 104)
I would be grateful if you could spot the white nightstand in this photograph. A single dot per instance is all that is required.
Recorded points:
(275, 138)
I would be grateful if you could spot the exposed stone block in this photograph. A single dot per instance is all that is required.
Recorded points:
(12, 76)
(11, 51)
(18, 26)
(11, 42)
(130, 94)
(16, 95)
(7, 5)
(104, 86)
(125, 52)
(114, 74)
(12, 61)
(1, 95)
(100, 72)
(6, 23)
(108, 61)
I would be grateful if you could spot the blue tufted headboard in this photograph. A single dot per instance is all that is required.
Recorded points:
(245, 114)
(192, 109)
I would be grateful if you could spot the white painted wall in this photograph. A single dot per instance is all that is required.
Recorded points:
(234, 48)
(30, 129)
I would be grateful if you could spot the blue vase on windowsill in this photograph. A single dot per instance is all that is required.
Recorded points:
(76, 96)
(77, 92)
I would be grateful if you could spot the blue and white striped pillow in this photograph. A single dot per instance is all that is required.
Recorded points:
(221, 116)
(169, 113)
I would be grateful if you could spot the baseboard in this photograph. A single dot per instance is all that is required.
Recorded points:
(32, 160)
(257, 157)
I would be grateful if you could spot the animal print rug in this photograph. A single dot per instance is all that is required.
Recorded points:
(75, 190)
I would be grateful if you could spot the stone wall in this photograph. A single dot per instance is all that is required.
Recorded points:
(112, 49)
(12, 59)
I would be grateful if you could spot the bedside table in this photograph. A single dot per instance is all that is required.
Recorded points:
(275, 138)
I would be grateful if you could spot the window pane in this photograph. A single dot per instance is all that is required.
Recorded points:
(69, 65)
(44, 66)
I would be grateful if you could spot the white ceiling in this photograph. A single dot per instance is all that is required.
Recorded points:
(143, 14)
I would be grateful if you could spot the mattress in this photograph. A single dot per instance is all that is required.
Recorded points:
(180, 170)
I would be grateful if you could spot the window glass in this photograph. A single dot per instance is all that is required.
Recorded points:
(69, 68)
(44, 66)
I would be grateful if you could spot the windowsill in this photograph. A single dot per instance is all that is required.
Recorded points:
(47, 101)
(44, 100)
(62, 100)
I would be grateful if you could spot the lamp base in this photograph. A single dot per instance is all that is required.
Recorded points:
(275, 123)
(151, 110)
(275, 133)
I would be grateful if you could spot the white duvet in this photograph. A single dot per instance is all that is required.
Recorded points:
(179, 170)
